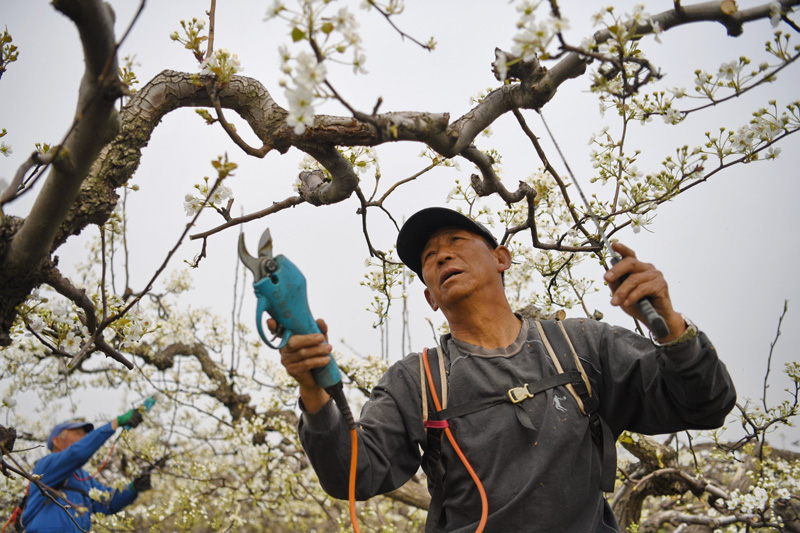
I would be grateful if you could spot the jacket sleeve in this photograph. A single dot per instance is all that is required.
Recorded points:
(390, 433)
(116, 500)
(55, 467)
(650, 389)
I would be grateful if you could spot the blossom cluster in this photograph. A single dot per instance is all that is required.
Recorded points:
(776, 480)
(6, 151)
(57, 322)
(757, 136)
(331, 37)
(223, 64)
(382, 278)
(639, 193)
(192, 37)
(535, 35)
(214, 195)
(308, 75)
(206, 197)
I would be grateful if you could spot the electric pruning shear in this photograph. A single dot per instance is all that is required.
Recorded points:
(281, 291)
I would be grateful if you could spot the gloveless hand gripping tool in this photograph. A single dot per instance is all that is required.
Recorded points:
(281, 291)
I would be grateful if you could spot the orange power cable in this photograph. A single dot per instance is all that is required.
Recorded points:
(481, 491)
(351, 492)
(100, 468)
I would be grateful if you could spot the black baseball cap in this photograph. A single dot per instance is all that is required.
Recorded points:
(419, 228)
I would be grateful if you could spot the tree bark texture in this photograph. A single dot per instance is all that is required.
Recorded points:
(81, 187)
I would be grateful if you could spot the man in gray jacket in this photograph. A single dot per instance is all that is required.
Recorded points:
(537, 458)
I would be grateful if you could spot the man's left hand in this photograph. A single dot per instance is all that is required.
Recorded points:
(643, 281)
(142, 483)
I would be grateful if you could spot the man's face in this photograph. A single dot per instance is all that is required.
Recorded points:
(456, 263)
(67, 438)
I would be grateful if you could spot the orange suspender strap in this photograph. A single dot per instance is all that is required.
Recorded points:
(451, 438)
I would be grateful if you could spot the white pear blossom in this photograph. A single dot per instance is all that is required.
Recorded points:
(36, 324)
(701, 78)
(634, 172)
(678, 92)
(673, 116)
(743, 139)
(191, 205)
(301, 109)
(276, 9)
(309, 72)
(638, 222)
(730, 70)
(221, 195)
(638, 14)
(71, 342)
(223, 64)
(658, 29)
(358, 62)
(346, 23)
(775, 14)
(773, 152)
(501, 64)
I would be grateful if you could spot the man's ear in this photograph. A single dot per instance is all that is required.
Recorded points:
(430, 300)
(503, 256)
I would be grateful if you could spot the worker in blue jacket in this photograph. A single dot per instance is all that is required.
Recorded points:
(72, 444)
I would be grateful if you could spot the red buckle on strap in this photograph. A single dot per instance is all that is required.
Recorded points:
(436, 424)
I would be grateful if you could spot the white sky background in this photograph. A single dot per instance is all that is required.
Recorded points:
(727, 247)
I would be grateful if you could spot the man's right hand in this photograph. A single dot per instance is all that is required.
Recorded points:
(130, 420)
(301, 354)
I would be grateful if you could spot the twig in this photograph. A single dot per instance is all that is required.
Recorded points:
(737, 94)
(17, 185)
(230, 130)
(89, 102)
(45, 490)
(403, 35)
(696, 485)
(543, 157)
(63, 286)
(404, 181)
(211, 17)
(97, 337)
(771, 350)
(374, 252)
(274, 208)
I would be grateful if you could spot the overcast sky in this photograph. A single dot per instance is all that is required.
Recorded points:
(728, 248)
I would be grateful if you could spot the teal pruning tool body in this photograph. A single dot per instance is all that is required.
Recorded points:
(149, 403)
(281, 291)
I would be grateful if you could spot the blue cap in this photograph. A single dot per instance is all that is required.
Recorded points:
(72, 424)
